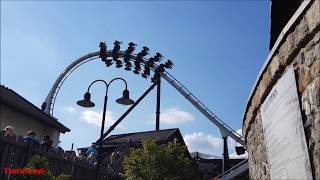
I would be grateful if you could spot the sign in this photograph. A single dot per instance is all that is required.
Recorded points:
(284, 133)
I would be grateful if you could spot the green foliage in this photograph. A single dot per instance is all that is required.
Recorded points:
(152, 161)
(61, 177)
(36, 162)
(41, 164)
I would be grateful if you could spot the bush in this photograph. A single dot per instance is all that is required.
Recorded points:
(62, 177)
(152, 161)
(40, 163)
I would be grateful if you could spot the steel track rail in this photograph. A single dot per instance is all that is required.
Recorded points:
(224, 128)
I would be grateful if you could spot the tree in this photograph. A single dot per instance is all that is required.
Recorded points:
(152, 161)
(41, 164)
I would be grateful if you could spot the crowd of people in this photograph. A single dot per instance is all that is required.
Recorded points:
(89, 156)
(30, 137)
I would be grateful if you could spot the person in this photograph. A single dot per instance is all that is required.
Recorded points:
(30, 138)
(90, 150)
(82, 154)
(2, 132)
(46, 141)
(91, 158)
(70, 154)
(20, 138)
(9, 133)
(60, 150)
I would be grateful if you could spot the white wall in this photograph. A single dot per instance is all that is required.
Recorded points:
(23, 123)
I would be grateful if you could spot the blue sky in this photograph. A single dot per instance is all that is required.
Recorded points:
(217, 47)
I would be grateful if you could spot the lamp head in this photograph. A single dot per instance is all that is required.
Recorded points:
(86, 102)
(125, 99)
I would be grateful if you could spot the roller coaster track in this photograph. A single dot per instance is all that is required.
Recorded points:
(225, 130)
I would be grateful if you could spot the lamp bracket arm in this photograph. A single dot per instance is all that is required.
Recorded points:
(118, 78)
(99, 80)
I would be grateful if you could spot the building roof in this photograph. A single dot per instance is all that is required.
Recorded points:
(160, 135)
(13, 99)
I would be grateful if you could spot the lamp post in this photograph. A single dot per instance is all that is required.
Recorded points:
(86, 102)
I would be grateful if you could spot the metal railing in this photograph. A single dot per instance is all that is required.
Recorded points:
(224, 128)
(235, 170)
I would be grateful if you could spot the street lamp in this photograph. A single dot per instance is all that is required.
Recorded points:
(86, 102)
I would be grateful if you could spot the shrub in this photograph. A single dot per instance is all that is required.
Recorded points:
(152, 161)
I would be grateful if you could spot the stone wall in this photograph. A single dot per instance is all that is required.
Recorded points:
(300, 48)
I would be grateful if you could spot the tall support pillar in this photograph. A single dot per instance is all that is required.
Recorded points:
(225, 163)
(158, 105)
(114, 125)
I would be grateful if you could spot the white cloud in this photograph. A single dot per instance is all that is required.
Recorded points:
(235, 156)
(69, 109)
(175, 115)
(213, 145)
(94, 117)
(204, 143)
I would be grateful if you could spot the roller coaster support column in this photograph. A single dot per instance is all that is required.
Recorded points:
(126, 113)
(158, 105)
(225, 154)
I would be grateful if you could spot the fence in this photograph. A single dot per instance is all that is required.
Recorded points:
(16, 154)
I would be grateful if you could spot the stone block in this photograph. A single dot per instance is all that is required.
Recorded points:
(312, 54)
(316, 158)
(310, 104)
(300, 57)
(316, 37)
(315, 135)
(314, 41)
(300, 31)
(316, 51)
(255, 102)
(315, 69)
(258, 163)
(274, 66)
(286, 49)
(249, 113)
(304, 78)
(312, 15)
(265, 82)
(312, 94)
(258, 91)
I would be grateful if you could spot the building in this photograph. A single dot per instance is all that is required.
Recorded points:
(161, 136)
(211, 166)
(295, 48)
(18, 112)
(116, 147)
